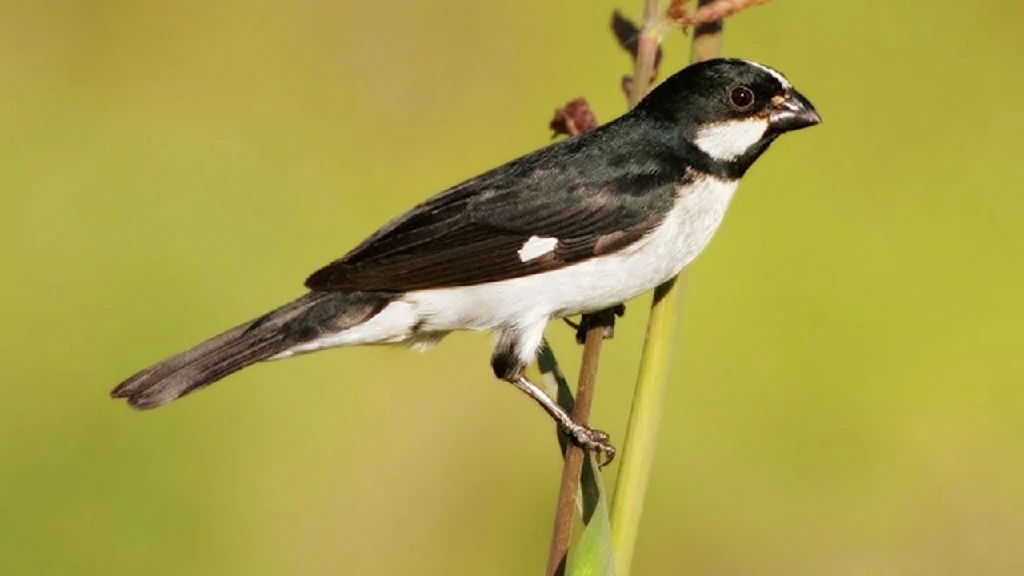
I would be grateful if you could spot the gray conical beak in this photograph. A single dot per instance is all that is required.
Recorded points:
(792, 112)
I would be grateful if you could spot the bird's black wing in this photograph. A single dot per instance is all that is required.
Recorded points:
(590, 200)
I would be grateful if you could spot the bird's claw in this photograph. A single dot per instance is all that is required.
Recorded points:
(593, 441)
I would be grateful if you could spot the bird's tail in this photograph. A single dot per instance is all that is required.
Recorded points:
(302, 320)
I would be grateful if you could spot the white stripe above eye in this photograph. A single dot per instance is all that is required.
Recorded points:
(775, 74)
(536, 247)
(731, 139)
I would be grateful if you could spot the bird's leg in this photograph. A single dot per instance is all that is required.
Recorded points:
(605, 318)
(583, 436)
(514, 350)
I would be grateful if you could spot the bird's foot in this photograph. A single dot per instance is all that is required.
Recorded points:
(602, 318)
(592, 441)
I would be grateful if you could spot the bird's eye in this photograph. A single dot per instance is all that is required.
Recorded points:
(741, 97)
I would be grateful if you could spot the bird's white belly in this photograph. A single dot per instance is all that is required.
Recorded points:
(587, 286)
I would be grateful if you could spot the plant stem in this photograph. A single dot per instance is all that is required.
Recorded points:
(644, 422)
(566, 510)
(647, 50)
(648, 398)
(707, 39)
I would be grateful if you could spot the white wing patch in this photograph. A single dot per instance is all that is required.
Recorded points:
(730, 140)
(536, 247)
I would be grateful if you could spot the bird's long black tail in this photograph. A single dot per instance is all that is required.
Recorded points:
(302, 320)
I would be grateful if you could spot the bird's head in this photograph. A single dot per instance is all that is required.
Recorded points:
(730, 110)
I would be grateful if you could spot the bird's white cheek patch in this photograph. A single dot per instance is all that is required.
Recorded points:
(730, 140)
(536, 247)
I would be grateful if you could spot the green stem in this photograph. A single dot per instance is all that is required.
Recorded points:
(644, 422)
(652, 380)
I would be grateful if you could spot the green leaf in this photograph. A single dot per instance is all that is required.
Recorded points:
(592, 554)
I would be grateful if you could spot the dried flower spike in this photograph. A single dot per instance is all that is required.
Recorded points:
(678, 15)
(573, 119)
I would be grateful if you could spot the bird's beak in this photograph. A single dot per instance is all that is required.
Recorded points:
(792, 112)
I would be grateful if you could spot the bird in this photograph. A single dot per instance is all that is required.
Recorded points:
(579, 226)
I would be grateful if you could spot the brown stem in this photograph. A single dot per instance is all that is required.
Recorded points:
(707, 38)
(573, 465)
(643, 73)
(647, 50)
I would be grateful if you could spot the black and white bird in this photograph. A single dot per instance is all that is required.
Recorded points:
(579, 226)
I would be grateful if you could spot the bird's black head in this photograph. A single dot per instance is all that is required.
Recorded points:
(729, 110)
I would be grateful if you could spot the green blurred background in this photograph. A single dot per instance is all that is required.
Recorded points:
(848, 393)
